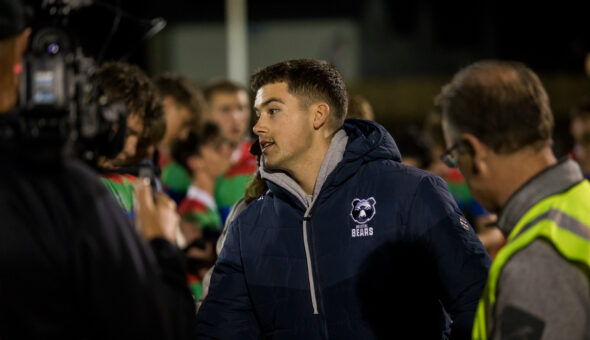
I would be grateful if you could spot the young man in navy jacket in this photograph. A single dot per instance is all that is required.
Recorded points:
(348, 243)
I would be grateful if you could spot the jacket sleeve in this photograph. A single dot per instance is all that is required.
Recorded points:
(118, 278)
(458, 259)
(227, 312)
(178, 303)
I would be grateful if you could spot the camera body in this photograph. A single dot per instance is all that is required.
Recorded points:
(59, 101)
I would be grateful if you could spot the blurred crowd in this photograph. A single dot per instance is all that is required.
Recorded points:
(203, 161)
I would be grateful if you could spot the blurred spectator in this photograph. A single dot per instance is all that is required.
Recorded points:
(205, 156)
(498, 128)
(229, 106)
(255, 189)
(415, 152)
(359, 107)
(144, 129)
(184, 107)
(580, 130)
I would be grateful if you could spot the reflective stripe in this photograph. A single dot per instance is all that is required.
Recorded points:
(314, 302)
(479, 325)
(563, 220)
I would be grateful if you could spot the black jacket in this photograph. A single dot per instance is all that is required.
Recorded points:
(71, 265)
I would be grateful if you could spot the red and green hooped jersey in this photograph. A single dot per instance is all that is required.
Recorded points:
(198, 207)
(175, 178)
(195, 285)
(121, 186)
(230, 187)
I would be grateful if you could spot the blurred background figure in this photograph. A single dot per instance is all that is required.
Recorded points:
(580, 130)
(205, 155)
(184, 108)
(143, 129)
(359, 107)
(413, 147)
(229, 107)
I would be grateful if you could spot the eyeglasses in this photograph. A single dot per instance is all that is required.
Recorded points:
(449, 158)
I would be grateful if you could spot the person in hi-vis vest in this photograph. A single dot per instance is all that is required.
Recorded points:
(498, 128)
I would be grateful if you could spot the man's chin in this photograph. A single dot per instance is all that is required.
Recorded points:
(272, 165)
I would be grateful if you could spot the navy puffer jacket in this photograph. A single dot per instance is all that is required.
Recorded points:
(384, 253)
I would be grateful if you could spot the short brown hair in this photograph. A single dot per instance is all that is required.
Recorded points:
(308, 79)
(223, 86)
(184, 93)
(129, 84)
(503, 103)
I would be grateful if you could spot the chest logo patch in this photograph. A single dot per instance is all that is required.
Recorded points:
(363, 210)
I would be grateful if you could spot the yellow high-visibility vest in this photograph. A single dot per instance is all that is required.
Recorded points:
(563, 220)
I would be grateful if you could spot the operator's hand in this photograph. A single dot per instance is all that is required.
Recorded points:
(155, 219)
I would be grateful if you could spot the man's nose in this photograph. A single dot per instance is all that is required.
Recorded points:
(260, 127)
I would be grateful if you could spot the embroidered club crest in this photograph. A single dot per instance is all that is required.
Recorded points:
(363, 210)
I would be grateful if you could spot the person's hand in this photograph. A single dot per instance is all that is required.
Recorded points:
(155, 219)
(207, 254)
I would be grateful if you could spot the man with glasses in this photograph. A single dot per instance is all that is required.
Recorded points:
(498, 126)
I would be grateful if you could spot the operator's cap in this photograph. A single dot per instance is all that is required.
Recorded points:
(12, 18)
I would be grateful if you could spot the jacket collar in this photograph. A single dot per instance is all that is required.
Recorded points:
(331, 160)
(552, 180)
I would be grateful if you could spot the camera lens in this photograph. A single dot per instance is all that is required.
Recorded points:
(53, 48)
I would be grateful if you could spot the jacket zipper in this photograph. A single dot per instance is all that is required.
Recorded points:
(315, 264)
(314, 302)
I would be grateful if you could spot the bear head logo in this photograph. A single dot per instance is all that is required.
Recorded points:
(363, 210)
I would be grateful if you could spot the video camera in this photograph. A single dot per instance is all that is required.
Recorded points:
(59, 99)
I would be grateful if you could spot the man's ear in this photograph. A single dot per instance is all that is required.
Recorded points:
(321, 112)
(479, 153)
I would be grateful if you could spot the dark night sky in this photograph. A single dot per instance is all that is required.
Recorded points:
(553, 37)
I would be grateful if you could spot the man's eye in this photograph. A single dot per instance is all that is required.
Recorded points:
(273, 111)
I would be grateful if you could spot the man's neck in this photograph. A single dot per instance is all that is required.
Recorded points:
(520, 167)
(204, 182)
(305, 172)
